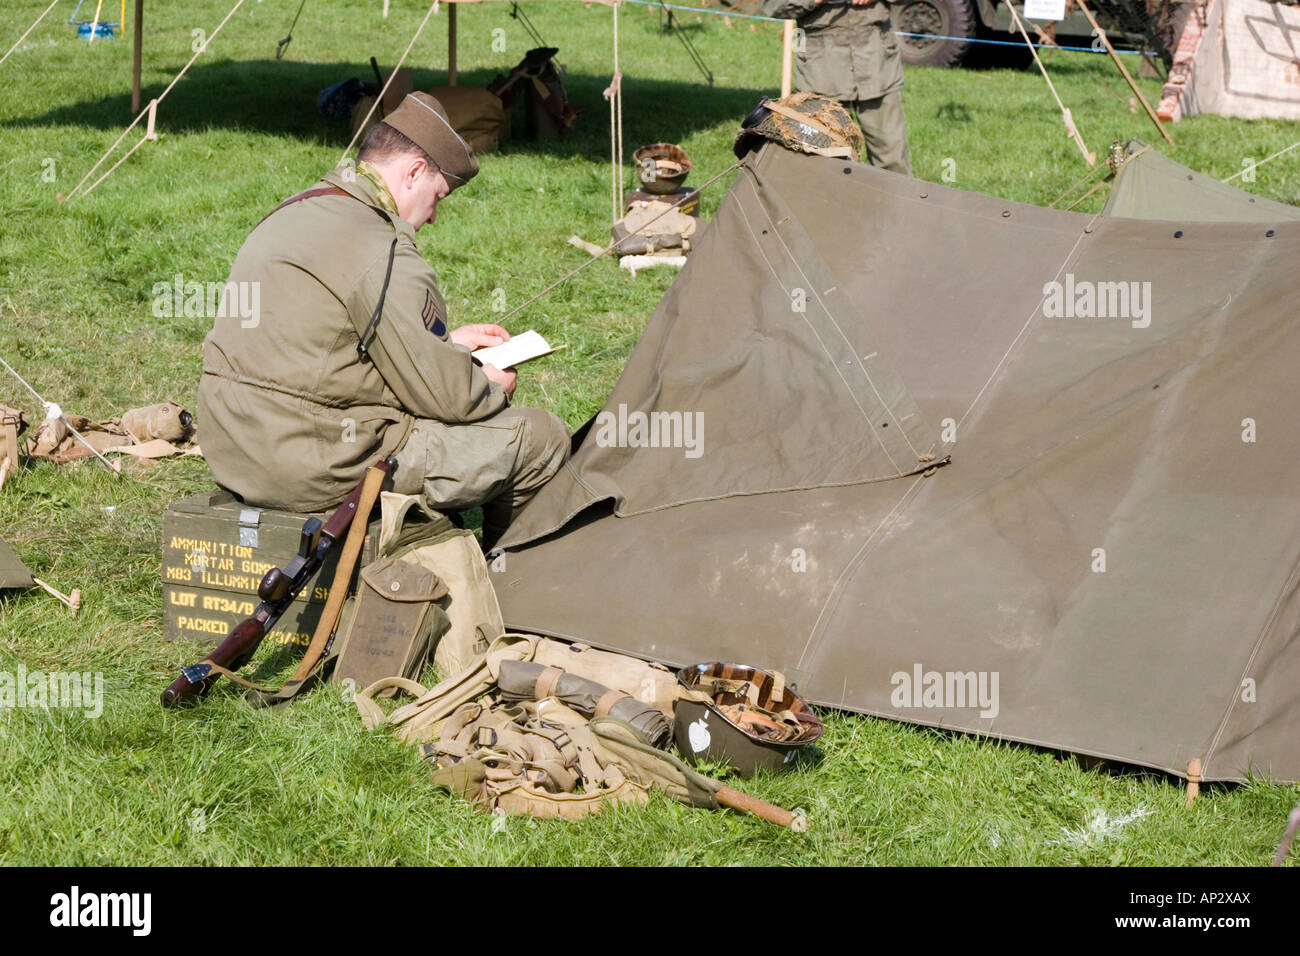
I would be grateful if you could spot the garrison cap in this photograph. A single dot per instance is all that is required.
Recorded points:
(422, 120)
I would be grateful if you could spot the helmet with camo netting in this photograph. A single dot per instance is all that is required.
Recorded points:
(802, 122)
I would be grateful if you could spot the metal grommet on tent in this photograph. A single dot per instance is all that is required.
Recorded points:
(1269, 234)
(925, 195)
(1178, 234)
(1006, 214)
(847, 170)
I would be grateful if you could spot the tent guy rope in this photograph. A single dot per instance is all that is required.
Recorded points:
(1266, 159)
(1071, 130)
(19, 41)
(53, 411)
(149, 110)
(433, 8)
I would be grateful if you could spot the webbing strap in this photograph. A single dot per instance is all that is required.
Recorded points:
(310, 665)
(338, 593)
(803, 118)
(546, 682)
(607, 702)
(307, 194)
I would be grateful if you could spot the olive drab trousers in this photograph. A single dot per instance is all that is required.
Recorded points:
(500, 462)
(885, 129)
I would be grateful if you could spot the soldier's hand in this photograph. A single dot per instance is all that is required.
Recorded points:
(506, 379)
(479, 336)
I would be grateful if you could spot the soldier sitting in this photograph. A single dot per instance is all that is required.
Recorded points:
(349, 357)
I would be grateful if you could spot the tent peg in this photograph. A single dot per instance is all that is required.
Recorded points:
(1193, 779)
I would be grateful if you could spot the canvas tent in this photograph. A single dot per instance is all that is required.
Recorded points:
(13, 573)
(1113, 549)
(1150, 185)
(1235, 58)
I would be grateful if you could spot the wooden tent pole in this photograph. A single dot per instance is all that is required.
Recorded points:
(1124, 70)
(787, 57)
(451, 44)
(1071, 130)
(136, 49)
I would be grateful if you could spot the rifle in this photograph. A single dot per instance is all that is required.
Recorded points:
(278, 590)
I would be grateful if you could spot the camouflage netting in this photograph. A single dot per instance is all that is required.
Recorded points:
(804, 123)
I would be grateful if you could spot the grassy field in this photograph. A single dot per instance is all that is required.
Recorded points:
(227, 785)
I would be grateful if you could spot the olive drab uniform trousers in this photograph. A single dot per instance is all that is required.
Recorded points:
(291, 413)
(850, 54)
(500, 463)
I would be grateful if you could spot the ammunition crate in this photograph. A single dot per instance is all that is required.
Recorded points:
(215, 551)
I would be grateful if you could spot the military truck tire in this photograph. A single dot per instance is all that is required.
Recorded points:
(940, 18)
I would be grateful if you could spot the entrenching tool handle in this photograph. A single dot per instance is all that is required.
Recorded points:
(736, 800)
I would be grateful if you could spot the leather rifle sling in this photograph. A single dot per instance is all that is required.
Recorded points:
(329, 618)
(328, 623)
(307, 194)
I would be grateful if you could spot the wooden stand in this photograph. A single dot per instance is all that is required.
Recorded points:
(451, 44)
(787, 58)
(8, 448)
(136, 56)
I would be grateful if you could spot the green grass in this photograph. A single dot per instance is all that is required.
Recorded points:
(227, 785)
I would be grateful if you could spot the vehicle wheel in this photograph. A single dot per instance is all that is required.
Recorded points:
(938, 18)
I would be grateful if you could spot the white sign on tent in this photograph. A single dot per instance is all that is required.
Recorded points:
(1044, 9)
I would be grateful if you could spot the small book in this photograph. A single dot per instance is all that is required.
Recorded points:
(521, 348)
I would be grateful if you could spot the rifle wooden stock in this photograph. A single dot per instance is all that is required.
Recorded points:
(278, 590)
(232, 654)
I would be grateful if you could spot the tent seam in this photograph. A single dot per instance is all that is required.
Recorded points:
(851, 566)
(867, 375)
(1037, 309)
(867, 417)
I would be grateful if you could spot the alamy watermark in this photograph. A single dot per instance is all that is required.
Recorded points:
(212, 300)
(637, 429)
(130, 910)
(950, 690)
(1084, 299)
(70, 690)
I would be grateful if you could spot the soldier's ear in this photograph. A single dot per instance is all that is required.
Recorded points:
(413, 170)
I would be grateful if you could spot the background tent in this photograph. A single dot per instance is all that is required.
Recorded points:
(1150, 185)
(1235, 58)
(13, 573)
(1114, 542)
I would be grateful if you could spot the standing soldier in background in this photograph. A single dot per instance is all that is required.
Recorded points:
(849, 54)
